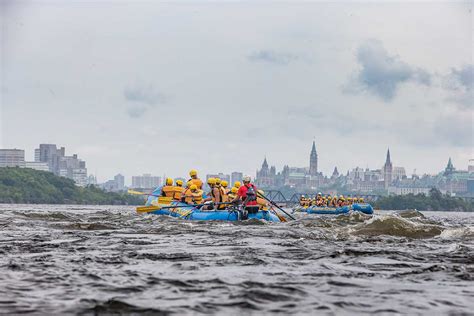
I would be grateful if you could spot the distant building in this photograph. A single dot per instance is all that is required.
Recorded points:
(50, 154)
(387, 171)
(12, 158)
(235, 176)
(120, 182)
(37, 155)
(146, 181)
(91, 180)
(304, 178)
(37, 165)
(65, 166)
(313, 161)
(398, 173)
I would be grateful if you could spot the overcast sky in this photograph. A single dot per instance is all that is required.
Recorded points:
(165, 87)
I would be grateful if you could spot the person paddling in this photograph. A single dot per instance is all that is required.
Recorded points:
(247, 194)
(194, 179)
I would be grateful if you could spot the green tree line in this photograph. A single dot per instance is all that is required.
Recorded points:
(24, 185)
(434, 201)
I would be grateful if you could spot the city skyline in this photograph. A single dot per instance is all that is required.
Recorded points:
(311, 167)
(264, 82)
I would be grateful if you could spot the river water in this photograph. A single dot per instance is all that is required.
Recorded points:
(93, 260)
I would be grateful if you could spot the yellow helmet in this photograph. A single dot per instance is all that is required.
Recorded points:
(179, 183)
(218, 181)
(169, 181)
(261, 192)
(193, 173)
(211, 181)
(193, 187)
(234, 190)
(224, 184)
(361, 200)
(237, 184)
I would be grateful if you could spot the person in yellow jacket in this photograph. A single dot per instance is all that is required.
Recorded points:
(214, 195)
(224, 195)
(168, 189)
(193, 195)
(224, 185)
(232, 194)
(194, 179)
(178, 190)
(262, 203)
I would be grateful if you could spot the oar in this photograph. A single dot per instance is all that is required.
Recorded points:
(274, 204)
(151, 208)
(140, 193)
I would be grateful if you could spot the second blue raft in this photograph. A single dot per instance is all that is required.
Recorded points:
(360, 207)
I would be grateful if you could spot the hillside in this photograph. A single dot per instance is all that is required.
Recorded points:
(23, 185)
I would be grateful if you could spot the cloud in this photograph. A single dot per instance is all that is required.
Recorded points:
(455, 129)
(461, 85)
(272, 57)
(381, 74)
(141, 98)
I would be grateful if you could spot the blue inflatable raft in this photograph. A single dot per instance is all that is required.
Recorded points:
(183, 211)
(363, 208)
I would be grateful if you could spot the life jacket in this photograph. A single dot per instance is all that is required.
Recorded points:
(231, 196)
(215, 199)
(224, 198)
(193, 197)
(251, 195)
(178, 192)
(168, 191)
(262, 203)
(197, 182)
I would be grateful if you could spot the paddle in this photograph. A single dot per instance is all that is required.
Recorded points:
(274, 204)
(140, 193)
(151, 208)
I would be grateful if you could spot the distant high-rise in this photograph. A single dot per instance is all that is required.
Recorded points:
(50, 154)
(313, 161)
(12, 158)
(387, 171)
(235, 176)
(147, 181)
(120, 182)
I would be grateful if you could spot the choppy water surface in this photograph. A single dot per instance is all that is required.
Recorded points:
(106, 260)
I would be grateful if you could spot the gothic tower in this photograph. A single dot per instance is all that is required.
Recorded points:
(387, 171)
(313, 161)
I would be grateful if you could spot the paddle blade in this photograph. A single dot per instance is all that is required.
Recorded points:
(136, 192)
(147, 209)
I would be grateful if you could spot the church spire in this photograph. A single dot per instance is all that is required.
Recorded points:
(313, 160)
(265, 163)
(387, 160)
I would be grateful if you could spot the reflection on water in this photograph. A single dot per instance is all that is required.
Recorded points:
(93, 260)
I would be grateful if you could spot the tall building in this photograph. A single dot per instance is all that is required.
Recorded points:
(12, 158)
(50, 154)
(146, 181)
(313, 161)
(387, 171)
(37, 155)
(236, 176)
(120, 181)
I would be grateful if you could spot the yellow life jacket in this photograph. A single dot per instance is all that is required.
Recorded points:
(231, 196)
(178, 193)
(193, 197)
(168, 191)
(262, 203)
(224, 195)
(197, 182)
